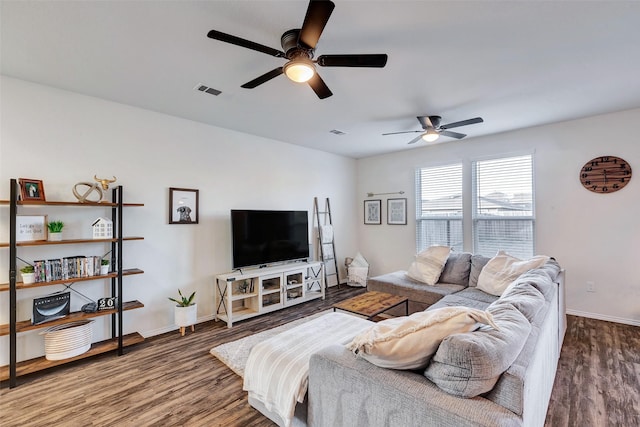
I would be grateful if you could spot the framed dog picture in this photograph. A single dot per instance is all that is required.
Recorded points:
(183, 206)
(31, 190)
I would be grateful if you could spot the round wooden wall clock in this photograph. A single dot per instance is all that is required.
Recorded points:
(605, 174)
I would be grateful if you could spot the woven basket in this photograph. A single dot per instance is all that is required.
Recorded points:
(67, 340)
(357, 276)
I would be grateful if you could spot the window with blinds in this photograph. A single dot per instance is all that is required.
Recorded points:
(503, 211)
(439, 207)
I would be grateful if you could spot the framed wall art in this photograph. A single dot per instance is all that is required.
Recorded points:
(372, 211)
(183, 206)
(31, 190)
(397, 211)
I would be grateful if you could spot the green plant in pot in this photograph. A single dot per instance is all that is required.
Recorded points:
(104, 266)
(185, 311)
(28, 274)
(55, 230)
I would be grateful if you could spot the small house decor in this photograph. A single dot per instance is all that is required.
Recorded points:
(102, 228)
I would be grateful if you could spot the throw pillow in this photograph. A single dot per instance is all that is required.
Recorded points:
(456, 269)
(470, 364)
(503, 269)
(477, 264)
(428, 264)
(409, 342)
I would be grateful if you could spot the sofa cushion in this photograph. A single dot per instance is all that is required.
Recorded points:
(477, 264)
(427, 266)
(409, 342)
(397, 283)
(456, 269)
(524, 297)
(503, 269)
(469, 364)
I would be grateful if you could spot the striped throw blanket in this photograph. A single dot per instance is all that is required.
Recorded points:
(277, 371)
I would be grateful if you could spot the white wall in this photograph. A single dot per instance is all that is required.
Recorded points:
(593, 236)
(63, 138)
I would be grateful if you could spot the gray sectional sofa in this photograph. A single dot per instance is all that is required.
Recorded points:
(473, 379)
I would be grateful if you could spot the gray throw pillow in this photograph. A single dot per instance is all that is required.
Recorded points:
(471, 363)
(456, 269)
(477, 264)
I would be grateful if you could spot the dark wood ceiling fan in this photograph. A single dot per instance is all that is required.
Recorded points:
(299, 46)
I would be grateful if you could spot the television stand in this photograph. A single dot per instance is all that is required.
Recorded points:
(252, 292)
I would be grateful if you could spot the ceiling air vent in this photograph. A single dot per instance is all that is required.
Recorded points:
(207, 89)
(337, 132)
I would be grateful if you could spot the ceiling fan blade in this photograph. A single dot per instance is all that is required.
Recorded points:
(425, 121)
(406, 131)
(414, 140)
(462, 123)
(263, 78)
(455, 135)
(318, 13)
(319, 87)
(367, 60)
(228, 38)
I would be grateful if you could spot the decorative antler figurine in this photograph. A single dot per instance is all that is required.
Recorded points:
(104, 181)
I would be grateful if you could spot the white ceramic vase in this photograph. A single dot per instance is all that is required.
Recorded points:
(104, 269)
(28, 278)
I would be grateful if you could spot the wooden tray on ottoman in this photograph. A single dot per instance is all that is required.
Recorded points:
(370, 304)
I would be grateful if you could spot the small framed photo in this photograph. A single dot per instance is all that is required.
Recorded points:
(397, 211)
(183, 206)
(31, 190)
(31, 228)
(372, 210)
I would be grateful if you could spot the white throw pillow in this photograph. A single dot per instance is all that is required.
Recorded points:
(503, 269)
(429, 264)
(409, 342)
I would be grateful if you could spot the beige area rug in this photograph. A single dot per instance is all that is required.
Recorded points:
(234, 354)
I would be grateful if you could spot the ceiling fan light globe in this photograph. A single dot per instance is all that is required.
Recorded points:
(299, 70)
(430, 135)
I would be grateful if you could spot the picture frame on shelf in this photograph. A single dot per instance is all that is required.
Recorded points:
(397, 211)
(183, 206)
(31, 228)
(31, 190)
(372, 212)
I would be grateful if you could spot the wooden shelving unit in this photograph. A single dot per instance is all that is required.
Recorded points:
(118, 340)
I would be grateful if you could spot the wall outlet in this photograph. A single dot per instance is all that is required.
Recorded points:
(591, 286)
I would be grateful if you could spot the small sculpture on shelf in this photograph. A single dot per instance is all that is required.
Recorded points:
(93, 187)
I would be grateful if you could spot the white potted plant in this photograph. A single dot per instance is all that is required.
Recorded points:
(28, 275)
(185, 312)
(55, 230)
(104, 266)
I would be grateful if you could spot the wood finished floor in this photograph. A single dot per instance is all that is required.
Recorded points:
(174, 381)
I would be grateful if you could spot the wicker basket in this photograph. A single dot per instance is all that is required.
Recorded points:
(67, 340)
(357, 276)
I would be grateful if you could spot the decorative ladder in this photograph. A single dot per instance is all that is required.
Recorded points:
(326, 242)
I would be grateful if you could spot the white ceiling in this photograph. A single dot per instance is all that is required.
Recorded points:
(514, 63)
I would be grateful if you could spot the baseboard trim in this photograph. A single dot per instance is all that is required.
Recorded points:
(597, 316)
(171, 328)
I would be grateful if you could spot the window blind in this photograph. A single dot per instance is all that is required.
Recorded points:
(503, 210)
(439, 207)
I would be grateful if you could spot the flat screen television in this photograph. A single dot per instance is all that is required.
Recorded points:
(262, 237)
